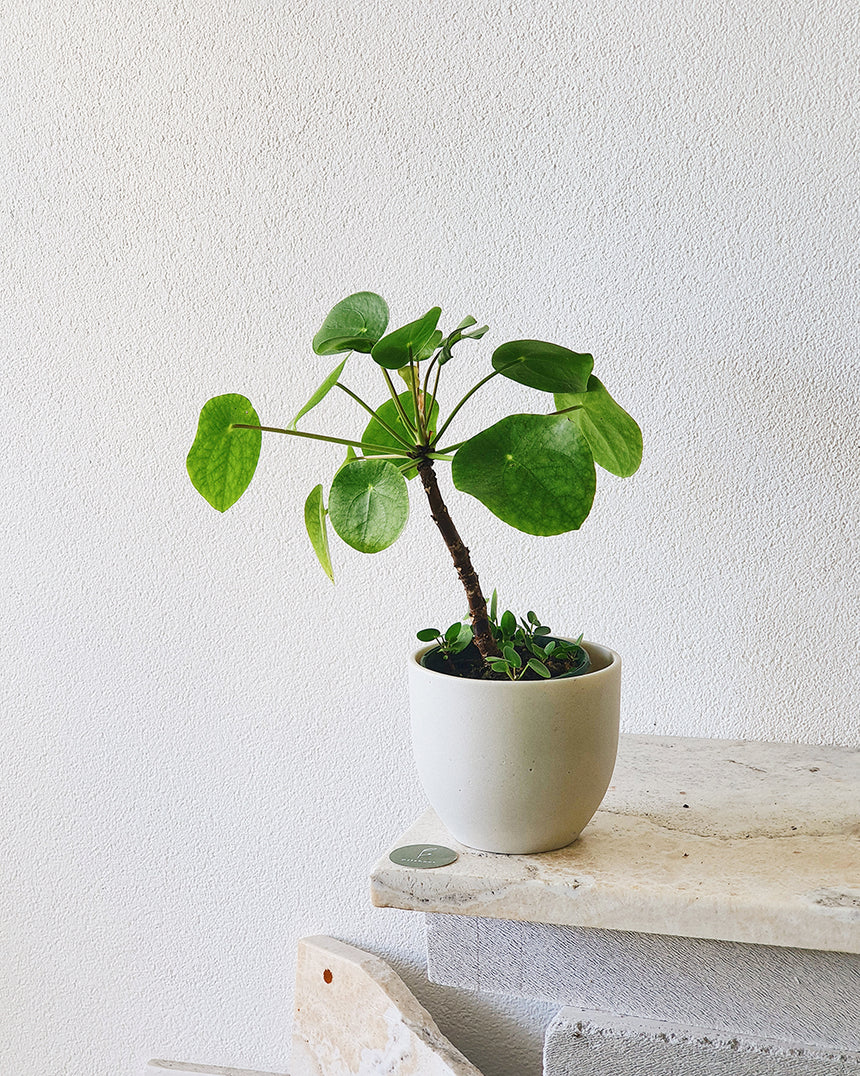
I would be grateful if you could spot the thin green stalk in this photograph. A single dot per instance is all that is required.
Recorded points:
(430, 366)
(315, 437)
(416, 402)
(376, 415)
(471, 392)
(564, 410)
(404, 418)
(435, 388)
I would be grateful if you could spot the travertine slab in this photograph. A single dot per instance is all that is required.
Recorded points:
(721, 839)
(184, 1068)
(759, 991)
(355, 1017)
(594, 1044)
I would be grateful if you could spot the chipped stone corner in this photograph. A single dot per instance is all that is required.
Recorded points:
(355, 1016)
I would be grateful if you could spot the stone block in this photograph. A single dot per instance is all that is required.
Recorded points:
(355, 1017)
(595, 1044)
(158, 1067)
(800, 995)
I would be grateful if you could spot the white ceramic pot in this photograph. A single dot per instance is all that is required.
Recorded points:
(516, 767)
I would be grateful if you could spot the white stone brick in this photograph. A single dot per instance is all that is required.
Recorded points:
(157, 1067)
(595, 1044)
(763, 991)
(355, 1017)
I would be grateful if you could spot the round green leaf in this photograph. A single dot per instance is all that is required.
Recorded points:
(354, 324)
(614, 436)
(414, 341)
(222, 460)
(535, 472)
(428, 635)
(463, 638)
(315, 524)
(548, 367)
(368, 504)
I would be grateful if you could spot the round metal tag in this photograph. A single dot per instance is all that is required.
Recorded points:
(423, 856)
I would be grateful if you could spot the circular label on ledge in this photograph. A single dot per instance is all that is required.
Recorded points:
(423, 856)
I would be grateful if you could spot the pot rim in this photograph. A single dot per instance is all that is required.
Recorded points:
(615, 661)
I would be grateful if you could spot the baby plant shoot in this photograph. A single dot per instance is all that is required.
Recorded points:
(535, 471)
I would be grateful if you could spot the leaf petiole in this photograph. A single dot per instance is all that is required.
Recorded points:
(376, 415)
(312, 436)
(404, 418)
(471, 392)
(416, 400)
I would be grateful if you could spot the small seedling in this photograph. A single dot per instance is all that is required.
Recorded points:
(453, 641)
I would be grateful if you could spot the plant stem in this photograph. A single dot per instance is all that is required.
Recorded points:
(376, 415)
(430, 366)
(314, 437)
(417, 401)
(471, 391)
(404, 418)
(462, 561)
(435, 387)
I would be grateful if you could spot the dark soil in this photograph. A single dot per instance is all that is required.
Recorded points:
(469, 665)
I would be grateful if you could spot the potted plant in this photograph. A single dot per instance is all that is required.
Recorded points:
(515, 730)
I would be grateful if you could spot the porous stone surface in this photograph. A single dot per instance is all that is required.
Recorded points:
(157, 1067)
(722, 839)
(355, 1017)
(592, 1044)
(757, 990)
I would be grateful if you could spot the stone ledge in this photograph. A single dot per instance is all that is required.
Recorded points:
(718, 839)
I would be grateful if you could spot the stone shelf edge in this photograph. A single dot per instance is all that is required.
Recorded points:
(719, 839)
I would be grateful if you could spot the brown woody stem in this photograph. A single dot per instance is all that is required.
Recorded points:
(484, 640)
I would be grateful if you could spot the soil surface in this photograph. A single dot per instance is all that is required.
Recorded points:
(469, 665)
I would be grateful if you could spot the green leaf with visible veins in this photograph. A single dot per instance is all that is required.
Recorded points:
(222, 460)
(613, 435)
(368, 504)
(317, 532)
(415, 341)
(320, 394)
(535, 472)
(548, 367)
(353, 324)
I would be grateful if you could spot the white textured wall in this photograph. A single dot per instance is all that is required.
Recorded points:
(203, 742)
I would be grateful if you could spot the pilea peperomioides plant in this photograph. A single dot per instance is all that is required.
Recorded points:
(536, 472)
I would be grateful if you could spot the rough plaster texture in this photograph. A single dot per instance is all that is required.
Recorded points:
(185, 787)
